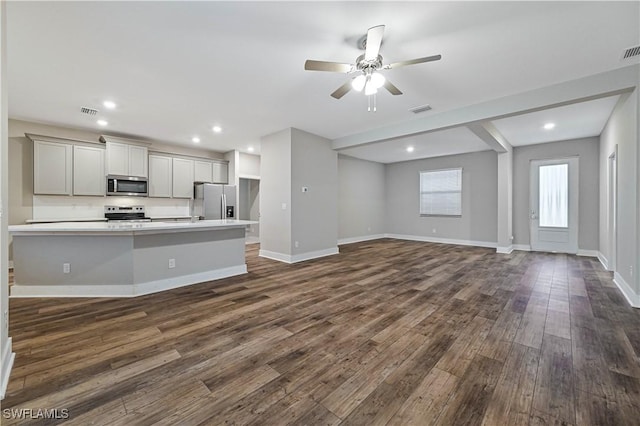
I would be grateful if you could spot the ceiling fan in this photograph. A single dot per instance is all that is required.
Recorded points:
(367, 67)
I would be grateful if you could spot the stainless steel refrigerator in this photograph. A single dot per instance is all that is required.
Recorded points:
(213, 201)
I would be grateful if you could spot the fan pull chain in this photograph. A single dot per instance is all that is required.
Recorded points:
(375, 102)
(369, 103)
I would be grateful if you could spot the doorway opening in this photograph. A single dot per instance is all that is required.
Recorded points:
(249, 207)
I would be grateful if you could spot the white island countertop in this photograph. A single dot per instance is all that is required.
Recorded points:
(124, 228)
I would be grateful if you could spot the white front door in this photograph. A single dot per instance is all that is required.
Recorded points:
(553, 214)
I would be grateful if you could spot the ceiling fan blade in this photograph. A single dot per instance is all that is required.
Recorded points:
(342, 90)
(374, 40)
(391, 88)
(413, 61)
(311, 65)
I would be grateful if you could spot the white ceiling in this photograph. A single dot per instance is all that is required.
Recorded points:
(573, 121)
(176, 69)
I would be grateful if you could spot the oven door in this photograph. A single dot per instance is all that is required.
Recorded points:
(127, 186)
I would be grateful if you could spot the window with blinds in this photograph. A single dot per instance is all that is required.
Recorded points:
(441, 192)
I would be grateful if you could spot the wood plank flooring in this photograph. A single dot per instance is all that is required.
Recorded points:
(388, 332)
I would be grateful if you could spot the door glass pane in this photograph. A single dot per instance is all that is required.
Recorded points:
(554, 196)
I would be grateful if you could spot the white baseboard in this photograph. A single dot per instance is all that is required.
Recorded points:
(504, 250)
(287, 258)
(7, 363)
(127, 290)
(588, 253)
(522, 247)
(360, 239)
(603, 260)
(487, 244)
(627, 291)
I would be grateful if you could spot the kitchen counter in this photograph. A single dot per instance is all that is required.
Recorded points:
(91, 219)
(101, 259)
(78, 228)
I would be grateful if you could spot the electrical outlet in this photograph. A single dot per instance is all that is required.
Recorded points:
(284, 206)
(66, 268)
(631, 270)
(368, 229)
(172, 263)
(433, 230)
(296, 244)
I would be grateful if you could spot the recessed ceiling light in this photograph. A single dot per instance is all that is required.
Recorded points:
(549, 126)
(250, 149)
(195, 139)
(102, 122)
(217, 129)
(410, 149)
(109, 104)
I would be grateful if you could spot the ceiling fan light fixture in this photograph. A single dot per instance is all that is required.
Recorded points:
(377, 80)
(370, 89)
(358, 83)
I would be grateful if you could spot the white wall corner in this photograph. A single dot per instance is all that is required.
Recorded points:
(359, 239)
(286, 258)
(314, 254)
(603, 260)
(627, 291)
(280, 257)
(504, 250)
(7, 363)
(588, 253)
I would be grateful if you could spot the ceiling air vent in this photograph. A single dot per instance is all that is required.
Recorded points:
(631, 52)
(88, 111)
(419, 109)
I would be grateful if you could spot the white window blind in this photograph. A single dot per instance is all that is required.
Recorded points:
(441, 192)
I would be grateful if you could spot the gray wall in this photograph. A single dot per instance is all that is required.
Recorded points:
(479, 198)
(275, 190)
(622, 129)
(587, 150)
(361, 197)
(314, 164)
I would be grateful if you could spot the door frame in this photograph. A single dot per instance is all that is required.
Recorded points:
(612, 209)
(574, 208)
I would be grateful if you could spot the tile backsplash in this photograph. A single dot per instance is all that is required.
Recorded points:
(46, 207)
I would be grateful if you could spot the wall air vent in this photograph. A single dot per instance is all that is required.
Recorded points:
(88, 111)
(631, 52)
(419, 109)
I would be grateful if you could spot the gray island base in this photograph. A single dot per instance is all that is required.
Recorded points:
(123, 260)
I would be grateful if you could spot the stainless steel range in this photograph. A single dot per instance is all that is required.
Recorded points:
(125, 214)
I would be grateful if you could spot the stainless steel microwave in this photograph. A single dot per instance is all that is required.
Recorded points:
(132, 186)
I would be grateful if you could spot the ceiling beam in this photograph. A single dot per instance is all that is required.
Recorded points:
(490, 135)
(596, 86)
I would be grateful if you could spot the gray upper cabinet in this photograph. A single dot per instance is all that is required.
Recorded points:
(182, 178)
(52, 168)
(126, 159)
(67, 167)
(220, 172)
(88, 170)
(202, 171)
(160, 176)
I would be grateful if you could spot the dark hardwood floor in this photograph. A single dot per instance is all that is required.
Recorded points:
(388, 332)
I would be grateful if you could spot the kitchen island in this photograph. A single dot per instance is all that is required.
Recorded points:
(86, 259)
